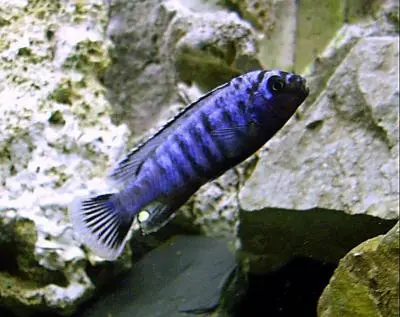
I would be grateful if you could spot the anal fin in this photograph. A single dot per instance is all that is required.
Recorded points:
(155, 216)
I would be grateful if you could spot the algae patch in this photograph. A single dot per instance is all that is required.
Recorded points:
(366, 283)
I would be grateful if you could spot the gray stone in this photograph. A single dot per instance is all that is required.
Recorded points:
(343, 153)
(185, 274)
(159, 43)
(277, 24)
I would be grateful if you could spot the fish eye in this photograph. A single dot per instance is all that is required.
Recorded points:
(276, 84)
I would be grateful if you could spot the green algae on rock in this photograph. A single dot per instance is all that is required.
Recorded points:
(24, 281)
(366, 283)
(90, 56)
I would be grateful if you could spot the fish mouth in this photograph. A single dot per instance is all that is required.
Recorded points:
(298, 84)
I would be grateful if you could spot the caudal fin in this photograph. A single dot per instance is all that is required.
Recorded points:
(100, 225)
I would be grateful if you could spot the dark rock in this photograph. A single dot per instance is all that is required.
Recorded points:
(272, 237)
(292, 290)
(186, 274)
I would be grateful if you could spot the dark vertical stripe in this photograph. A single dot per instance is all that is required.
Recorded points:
(227, 117)
(242, 107)
(212, 158)
(260, 77)
(236, 129)
(198, 170)
(205, 150)
(158, 166)
(176, 163)
(206, 122)
(255, 86)
(217, 139)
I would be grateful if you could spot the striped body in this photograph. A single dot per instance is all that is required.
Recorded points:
(206, 139)
(193, 155)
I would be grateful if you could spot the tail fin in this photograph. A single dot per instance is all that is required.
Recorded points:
(100, 225)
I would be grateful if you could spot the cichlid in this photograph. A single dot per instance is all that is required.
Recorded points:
(208, 137)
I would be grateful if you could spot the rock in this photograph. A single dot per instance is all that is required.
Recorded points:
(316, 26)
(292, 290)
(322, 25)
(343, 153)
(159, 43)
(183, 276)
(366, 283)
(294, 33)
(56, 141)
(270, 238)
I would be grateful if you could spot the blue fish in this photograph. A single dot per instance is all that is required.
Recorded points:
(208, 137)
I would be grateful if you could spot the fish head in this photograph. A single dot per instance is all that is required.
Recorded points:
(279, 95)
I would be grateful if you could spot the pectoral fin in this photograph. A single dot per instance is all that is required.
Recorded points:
(233, 138)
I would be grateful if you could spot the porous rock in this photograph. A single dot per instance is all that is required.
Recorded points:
(56, 141)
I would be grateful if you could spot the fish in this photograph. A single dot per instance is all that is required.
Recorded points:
(204, 140)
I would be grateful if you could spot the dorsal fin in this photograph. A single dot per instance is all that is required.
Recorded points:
(128, 168)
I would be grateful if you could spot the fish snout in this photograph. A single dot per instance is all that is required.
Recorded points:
(297, 83)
